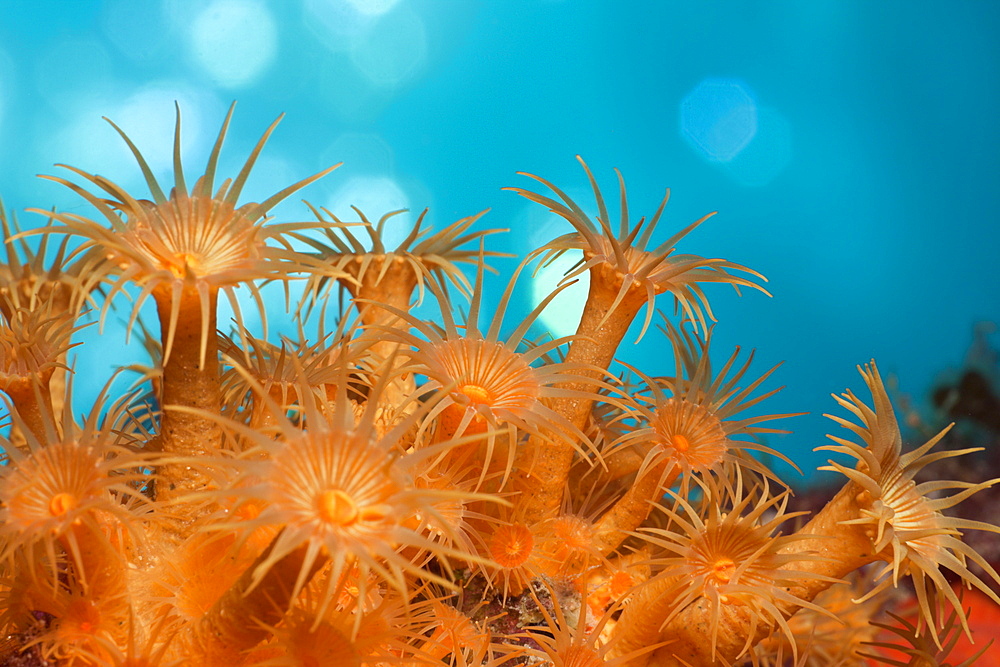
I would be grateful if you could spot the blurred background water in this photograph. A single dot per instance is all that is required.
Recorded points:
(851, 148)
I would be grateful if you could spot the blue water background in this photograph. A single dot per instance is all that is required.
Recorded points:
(852, 149)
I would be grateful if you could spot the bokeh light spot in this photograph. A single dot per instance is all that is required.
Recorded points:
(373, 7)
(147, 117)
(337, 23)
(234, 41)
(363, 152)
(374, 196)
(769, 152)
(135, 28)
(392, 50)
(719, 118)
(70, 69)
(270, 174)
(4, 86)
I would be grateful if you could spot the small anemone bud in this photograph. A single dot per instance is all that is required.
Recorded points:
(680, 443)
(61, 503)
(477, 394)
(336, 507)
(722, 570)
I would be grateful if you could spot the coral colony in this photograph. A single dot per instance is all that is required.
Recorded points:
(398, 491)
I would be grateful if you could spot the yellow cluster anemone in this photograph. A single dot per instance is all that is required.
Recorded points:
(446, 491)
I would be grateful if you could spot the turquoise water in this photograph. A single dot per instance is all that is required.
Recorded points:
(851, 148)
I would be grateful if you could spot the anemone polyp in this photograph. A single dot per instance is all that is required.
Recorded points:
(489, 375)
(195, 238)
(47, 491)
(905, 521)
(690, 432)
(680, 443)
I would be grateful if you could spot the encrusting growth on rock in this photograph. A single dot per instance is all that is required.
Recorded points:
(461, 492)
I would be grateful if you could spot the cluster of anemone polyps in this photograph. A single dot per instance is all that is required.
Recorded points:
(401, 491)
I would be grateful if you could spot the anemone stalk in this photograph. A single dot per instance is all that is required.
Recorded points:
(542, 465)
(190, 380)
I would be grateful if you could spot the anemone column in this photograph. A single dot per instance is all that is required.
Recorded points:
(542, 467)
(190, 382)
(33, 403)
(386, 282)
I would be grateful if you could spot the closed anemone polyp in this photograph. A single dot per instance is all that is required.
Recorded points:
(573, 533)
(511, 545)
(620, 583)
(454, 633)
(565, 545)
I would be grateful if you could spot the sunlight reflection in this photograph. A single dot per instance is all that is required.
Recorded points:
(562, 315)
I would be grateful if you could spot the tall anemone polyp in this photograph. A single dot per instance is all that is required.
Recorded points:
(625, 275)
(389, 275)
(625, 267)
(183, 249)
(905, 521)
